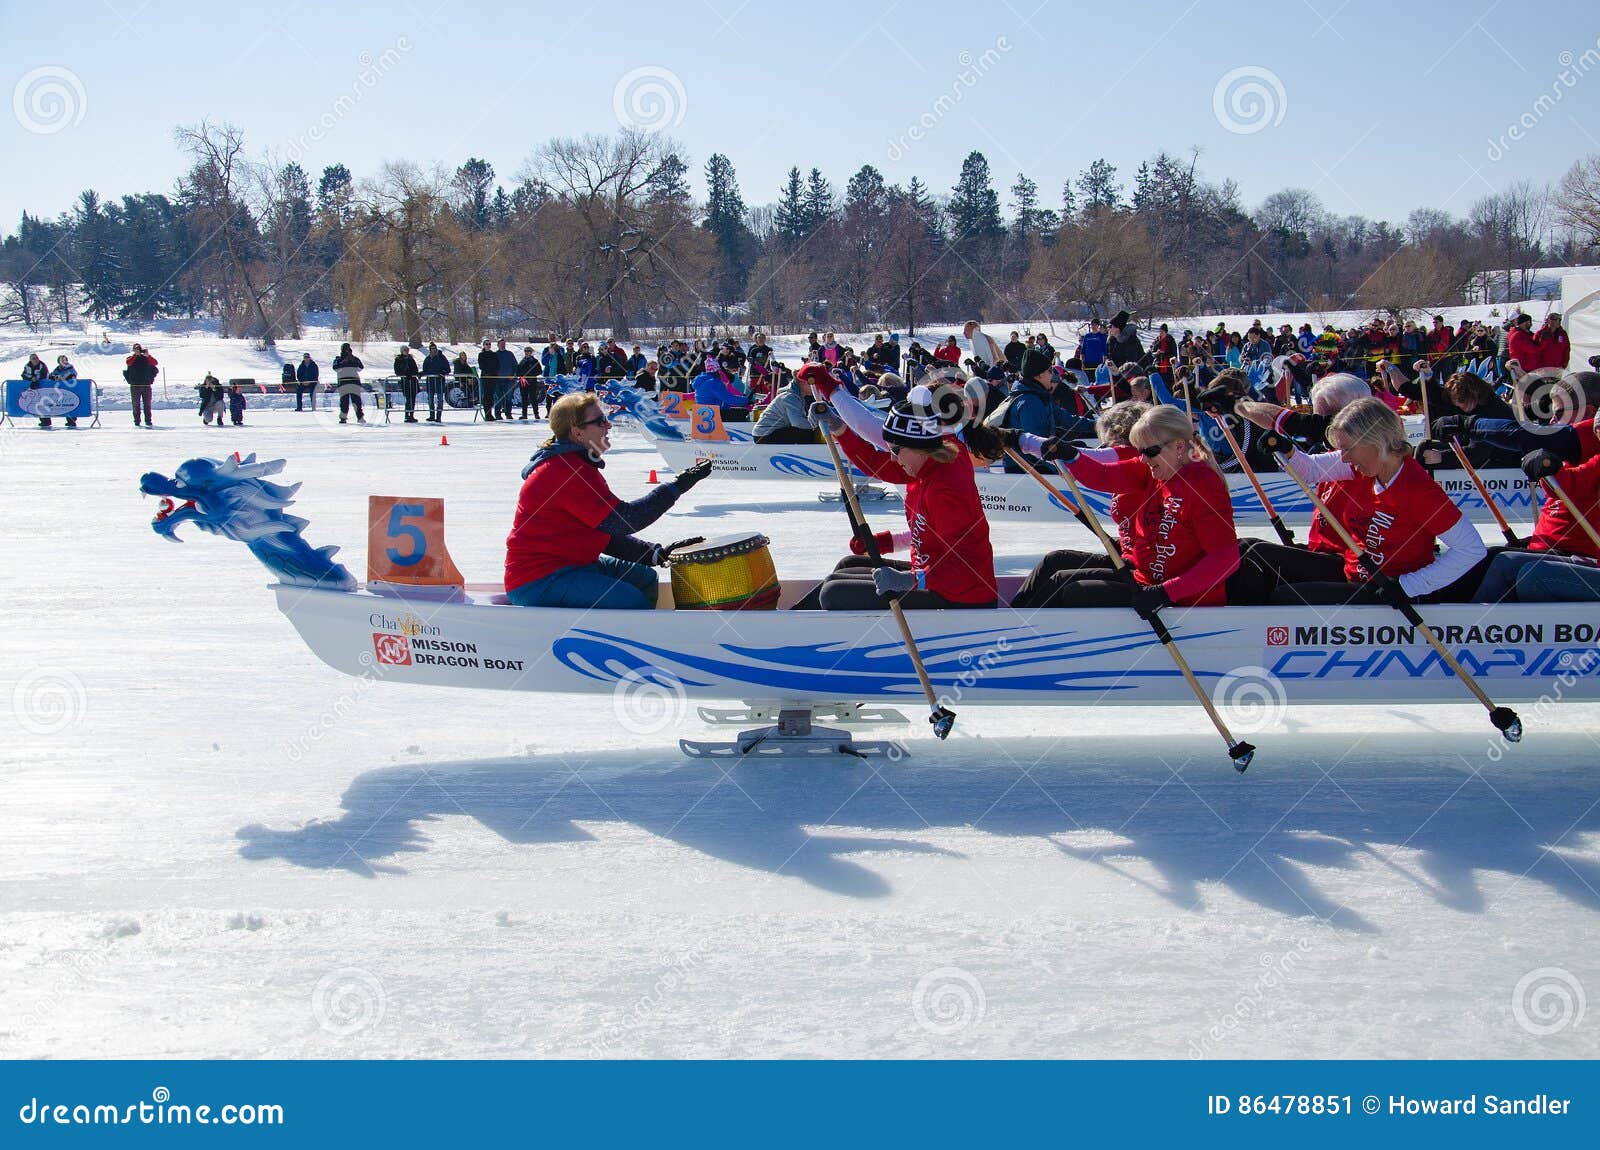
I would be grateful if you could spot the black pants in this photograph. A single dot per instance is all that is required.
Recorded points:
(489, 396)
(735, 415)
(1265, 567)
(408, 392)
(1334, 593)
(789, 435)
(140, 393)
(299, 396)
(1056, 571)
(849, 587)
(350, 395)
(530, 395)
(435, 396)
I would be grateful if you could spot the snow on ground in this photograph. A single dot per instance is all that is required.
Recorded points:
(215, 845)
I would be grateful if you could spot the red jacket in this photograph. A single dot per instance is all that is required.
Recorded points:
(1556, 529)
(1523, 346)
(1440, 339)
(1555, 349)
(947, 354)
(1182, 535)
(949, 533)
(559, 511)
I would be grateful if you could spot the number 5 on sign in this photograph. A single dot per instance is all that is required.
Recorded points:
(405, 543)
(708, 424)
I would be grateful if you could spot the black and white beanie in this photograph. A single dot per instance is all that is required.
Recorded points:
(909, 425)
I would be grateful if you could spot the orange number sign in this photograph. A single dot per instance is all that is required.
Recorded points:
(405, 543)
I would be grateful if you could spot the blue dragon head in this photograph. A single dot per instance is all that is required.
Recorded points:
(230, 497)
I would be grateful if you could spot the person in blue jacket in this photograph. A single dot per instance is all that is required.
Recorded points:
(63, 372)
(1035, 407)
(305, 377)
(1092, 345)
(506, 359)
(713, 388)
(584, 365)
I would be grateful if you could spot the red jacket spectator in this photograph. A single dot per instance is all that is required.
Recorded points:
(1523, 346)
(1555, 349)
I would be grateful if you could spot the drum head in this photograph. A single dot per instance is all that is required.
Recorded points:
(720, 547)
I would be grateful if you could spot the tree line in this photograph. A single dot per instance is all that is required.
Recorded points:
(602, 232)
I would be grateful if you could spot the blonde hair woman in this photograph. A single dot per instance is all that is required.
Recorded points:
(572, 542)
(1174, 514)
(1393, 508)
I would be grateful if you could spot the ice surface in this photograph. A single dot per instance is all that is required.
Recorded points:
(215, 845)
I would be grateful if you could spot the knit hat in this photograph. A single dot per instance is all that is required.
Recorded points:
(904, 427)
(1035, 361)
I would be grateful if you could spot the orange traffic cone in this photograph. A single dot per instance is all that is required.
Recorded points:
(444, 441)
(236, 458)
(652, 478)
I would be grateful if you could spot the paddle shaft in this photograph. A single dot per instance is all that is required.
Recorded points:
(1483, 493)
(1261, 492)
(858, 522)
(1411, 615)
(1085, 514)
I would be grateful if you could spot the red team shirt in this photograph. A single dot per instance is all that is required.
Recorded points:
(949, 532)
(1180, 533)
(1398, 525)
(559, 511)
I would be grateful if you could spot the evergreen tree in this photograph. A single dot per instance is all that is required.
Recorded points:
(974, 207)
(1069, 201)
(668, 183)
(471, 185)
(790, 222)
(95, 251)
(817, 203)
(1030, 219)
(725, 221)
(1098, 186)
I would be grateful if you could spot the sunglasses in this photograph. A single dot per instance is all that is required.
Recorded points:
(1156, 449)
(597, 421)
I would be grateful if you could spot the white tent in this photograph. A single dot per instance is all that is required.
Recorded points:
(1580, 315)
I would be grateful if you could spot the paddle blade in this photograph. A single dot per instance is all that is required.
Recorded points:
(1507, 723)
(943, 719)
(1242, 754)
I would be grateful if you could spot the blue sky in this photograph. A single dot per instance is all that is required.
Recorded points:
(1379, 107)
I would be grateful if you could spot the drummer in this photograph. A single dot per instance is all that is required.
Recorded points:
(952, 563)
(572, 542)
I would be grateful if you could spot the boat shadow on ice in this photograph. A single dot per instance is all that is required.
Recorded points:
(1297, 841)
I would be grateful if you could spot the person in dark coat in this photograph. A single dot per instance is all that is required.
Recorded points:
(489, 382)
(64, 372)
(506, 359)
(305, 377)
(347, 370)
(435, 371)
(1122, 341)
(213, 399)
(288, 381)
(406, 371)
(236, 405)
(528, 372)
(140, 372)
(1034, 406)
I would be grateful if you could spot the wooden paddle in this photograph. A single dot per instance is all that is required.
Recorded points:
(1504, 718)
(1240, 752)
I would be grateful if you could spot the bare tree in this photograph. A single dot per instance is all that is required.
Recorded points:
(1578, 200)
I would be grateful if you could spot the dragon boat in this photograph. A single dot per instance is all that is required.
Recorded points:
(852, 667)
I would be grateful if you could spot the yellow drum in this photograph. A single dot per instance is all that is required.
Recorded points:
(729, 573)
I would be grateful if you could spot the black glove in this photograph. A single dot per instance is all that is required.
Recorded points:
(1369, 565)
(1541, 464)
(1388, 589)
(1448, 427)
(1148, 601)
(1216, 400)
(1060, 448)
(1432, 447)
(1010, 437)
(693, 474)
(664, 554)
(1274, 443)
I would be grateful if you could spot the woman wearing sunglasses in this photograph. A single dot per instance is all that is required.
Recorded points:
(1172, 508)
(952, 563)
(572, 543)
